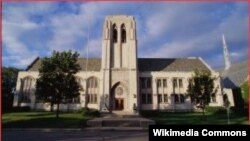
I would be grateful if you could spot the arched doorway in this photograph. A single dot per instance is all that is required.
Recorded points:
(118, 97)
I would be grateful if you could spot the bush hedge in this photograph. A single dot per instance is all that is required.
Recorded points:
(90, 112)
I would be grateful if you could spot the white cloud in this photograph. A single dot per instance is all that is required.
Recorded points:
(194, 40)
(93, 48)
(16, 22)
(69, 29)
(163, 30)
(66, 28)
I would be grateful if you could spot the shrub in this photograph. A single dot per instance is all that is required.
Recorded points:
(21, 109)
(90, 112)
(216, 110)
(240, 111)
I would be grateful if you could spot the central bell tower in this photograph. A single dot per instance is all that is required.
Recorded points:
(119, 60)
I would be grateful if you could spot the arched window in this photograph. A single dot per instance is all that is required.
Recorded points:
(92, 90)
(114, 33)
(27, 84)
(123, 33)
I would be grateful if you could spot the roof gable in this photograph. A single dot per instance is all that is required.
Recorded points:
(144, 64)
(94, 64)
(168, 64)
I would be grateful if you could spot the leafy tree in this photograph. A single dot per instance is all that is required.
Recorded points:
(245, 93)
(56, 83)
(9, 78)
(201, 88)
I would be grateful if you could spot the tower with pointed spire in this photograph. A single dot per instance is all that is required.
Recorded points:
(226, 53)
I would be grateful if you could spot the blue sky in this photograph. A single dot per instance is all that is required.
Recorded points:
(164, 29)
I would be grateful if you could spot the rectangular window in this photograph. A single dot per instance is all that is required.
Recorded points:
(149, 99)
(95, 98)
(149, 82)
(143, 98)
(75, 100)
(176, 98)
(145, 82)
(164, 83)
(180, 83)
(159, 98)
(175, 82)
(92, 98)
(182, 98)
(88, 98)
(165, 98)
(142, 83)
(158, 83)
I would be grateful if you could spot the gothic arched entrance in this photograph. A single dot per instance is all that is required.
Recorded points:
(118, 97)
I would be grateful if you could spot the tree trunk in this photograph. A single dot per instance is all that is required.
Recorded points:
(203, 111)
(51, 106)
(57, 110)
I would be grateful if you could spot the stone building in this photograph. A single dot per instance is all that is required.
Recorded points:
(121, 82)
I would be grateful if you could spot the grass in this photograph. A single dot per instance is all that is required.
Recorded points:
(213, 117)
(43, 120)
(79, 119)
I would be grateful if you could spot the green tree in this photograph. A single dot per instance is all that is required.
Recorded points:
(9, 78)
(245, 93)
(201, 89)
(56, 83)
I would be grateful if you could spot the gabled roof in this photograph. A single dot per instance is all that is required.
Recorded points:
(236, 75)
(167, 64)
(94, 64)
(144, 64)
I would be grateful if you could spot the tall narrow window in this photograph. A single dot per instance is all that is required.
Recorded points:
(143, 98)
(148, 82)
(165, 98)
(114, 33)
(158, 83)
(123, 33)
(182, 98)
(176, 98)
(149, 98)
(160, 98)
(180, 83)
(26, 89)
(175, 82)
(92, 90)
(143, 83)
(164, 83)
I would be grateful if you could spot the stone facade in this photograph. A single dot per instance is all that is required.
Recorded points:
(122, 82)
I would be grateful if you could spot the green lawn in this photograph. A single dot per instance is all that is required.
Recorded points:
(196, 118)
(43, 120)
(78, 119)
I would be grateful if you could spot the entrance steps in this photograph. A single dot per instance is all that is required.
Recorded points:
(114, 120)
